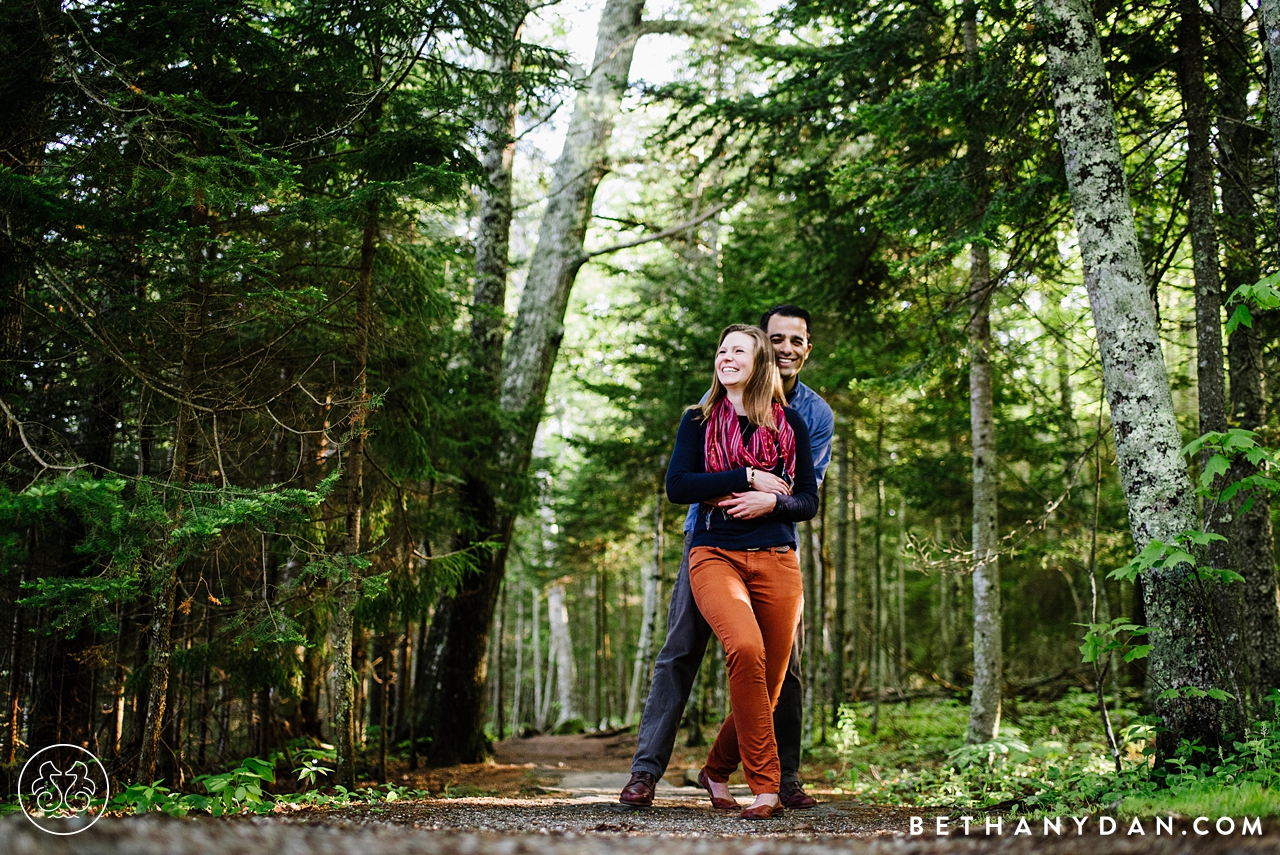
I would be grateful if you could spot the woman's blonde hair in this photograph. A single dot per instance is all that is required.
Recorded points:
(764, 386)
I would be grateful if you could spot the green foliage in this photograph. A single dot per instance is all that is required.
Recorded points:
(1263, 294)
(1101, 639)
(1052, 760)
(1050, 757)
(244, 789)
(133, 532)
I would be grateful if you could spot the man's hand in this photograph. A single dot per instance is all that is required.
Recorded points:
(767, 482)
(750, 505)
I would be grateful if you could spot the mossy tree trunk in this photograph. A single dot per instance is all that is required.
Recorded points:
(1185, 635)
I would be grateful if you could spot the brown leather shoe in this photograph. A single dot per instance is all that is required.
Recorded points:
(764, 812)
(793, 796)
(639, 790)
(704, 781)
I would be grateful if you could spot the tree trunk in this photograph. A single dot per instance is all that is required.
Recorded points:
(342, 688)
(988, 647)
(1211, 372)
(159, 643)
(1269, 10)
(492, 490)
(1185, 651)
(809, 568)
(562, 652)
(651, 584)
(29, 29)
(518, 681)
(1252, 541)
(539, 704)
(988, 636)
(835, 675)
(877, 596)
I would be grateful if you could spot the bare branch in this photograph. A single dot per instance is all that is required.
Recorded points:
(35, 455)
(665, 233)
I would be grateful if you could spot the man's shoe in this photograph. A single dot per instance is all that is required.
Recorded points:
(763, 811)
(704, 781)
(793, 796)
(639, 790)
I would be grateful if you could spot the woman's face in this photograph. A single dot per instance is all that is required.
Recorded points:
(734, 360)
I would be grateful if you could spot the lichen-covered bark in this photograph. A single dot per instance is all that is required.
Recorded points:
(1184, 633)
(1252, 542)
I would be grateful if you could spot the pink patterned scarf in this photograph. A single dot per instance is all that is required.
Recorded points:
(724, 449)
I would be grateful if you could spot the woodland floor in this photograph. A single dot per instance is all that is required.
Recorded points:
(558, 795)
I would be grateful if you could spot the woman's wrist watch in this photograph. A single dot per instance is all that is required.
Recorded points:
(751, 477)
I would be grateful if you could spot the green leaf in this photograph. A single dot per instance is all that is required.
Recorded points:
(1215, 466)
(1138, 652)
(1204, 538)
(1240, 316)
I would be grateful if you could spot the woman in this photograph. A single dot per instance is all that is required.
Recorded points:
(745, 457)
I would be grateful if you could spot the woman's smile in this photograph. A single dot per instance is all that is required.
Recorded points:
(734, 359)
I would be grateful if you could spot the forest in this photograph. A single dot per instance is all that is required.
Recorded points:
(343, 344)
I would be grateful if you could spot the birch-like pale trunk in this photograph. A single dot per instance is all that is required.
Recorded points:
(1186, 648)
(539, 713)
(562, 651)
(809, 569)
(518, 682)
(640, 671)
(651, 581)
(988, 634)
(835, 671)
(1252, 540)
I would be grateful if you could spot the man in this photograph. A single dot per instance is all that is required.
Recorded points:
(674, 671)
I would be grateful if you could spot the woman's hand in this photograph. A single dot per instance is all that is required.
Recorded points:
(752, 504)
(767, 482)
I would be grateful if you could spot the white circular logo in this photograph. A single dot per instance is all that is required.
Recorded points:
(63, 789)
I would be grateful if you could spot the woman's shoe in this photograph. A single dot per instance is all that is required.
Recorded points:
(764, 811)
(704, 781)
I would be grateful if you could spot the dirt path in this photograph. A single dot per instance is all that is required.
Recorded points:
(558, 796)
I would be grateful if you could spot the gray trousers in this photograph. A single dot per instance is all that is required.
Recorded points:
(673, 676)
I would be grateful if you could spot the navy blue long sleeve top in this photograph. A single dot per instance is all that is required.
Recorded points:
(689, 483)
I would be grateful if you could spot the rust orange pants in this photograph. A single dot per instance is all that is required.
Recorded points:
(752, 600)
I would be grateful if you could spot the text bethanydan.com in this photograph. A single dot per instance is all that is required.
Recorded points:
(1057, 826)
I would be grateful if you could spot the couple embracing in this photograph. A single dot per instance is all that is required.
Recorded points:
(748, 460)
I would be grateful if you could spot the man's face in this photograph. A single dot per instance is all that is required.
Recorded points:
(791, 345)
